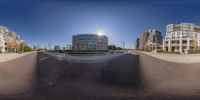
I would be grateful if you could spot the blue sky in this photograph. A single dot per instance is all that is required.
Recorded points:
(55, 21)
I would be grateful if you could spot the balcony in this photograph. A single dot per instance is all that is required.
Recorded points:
(184, 44)
(175, 44)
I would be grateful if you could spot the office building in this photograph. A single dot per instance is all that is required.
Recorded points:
(68, 47)
(89, 42)
(137, 44)
(57, 48)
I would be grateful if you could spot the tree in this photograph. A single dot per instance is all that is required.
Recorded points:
(17, 46)
(21, 47)
(193, 44)
(25, 48)
(112, 47)
(10, 45)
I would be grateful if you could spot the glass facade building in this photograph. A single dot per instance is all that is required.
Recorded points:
(89, 42)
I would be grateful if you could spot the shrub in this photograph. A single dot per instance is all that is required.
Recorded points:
(146, 50)
(163, 51)
(193, 51)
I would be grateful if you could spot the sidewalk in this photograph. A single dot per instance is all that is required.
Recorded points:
(178, 58)
(17, 76)
(11, 56)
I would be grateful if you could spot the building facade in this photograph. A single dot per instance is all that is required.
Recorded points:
(89, 42)
(57, 48)
(2, 43)
(181, 37)
(151, 40)
(68, 47)
(137, 44)
(9, 40)
(36, 47)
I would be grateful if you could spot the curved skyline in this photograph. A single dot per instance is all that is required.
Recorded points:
(55, 21)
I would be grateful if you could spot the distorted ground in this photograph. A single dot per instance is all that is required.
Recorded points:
(64, 80)
(117, 79)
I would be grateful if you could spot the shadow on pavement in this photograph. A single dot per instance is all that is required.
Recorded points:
(123, 71)
(59, 79)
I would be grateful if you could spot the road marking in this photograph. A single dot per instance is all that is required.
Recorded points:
(43, 58)
(59, 58)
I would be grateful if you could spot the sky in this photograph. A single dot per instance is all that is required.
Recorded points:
(40, 22)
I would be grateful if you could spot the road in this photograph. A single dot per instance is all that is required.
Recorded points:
(121, 78)
(116, 79)
(58, 79)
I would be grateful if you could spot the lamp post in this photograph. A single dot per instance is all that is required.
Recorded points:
(123, 44)
(50, 46)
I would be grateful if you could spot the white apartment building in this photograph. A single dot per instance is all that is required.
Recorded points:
(2, 43)
(8, 40)
(181, 37)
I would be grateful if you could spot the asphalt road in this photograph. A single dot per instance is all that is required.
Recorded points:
(59, 80)
(117, 79)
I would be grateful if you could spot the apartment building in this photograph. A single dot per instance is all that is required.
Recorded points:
(151, 40)
(181, 37)
(9, 40)
(2, 43)
(89, 42)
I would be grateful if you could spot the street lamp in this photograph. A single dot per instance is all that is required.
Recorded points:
(50, 46)
(123, 44)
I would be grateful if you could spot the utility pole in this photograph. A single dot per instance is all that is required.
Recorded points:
(123, 44)
(50, 46)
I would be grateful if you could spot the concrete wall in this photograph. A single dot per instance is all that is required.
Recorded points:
(169, 78)
(17, 76)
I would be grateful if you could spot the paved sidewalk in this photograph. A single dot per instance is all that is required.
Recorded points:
(17, 76)
(178, 58)
(10, 56)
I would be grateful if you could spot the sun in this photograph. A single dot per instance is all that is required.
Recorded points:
(99, 33)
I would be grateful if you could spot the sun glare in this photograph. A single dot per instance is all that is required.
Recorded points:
(99, 33)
